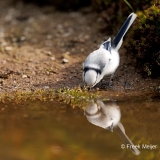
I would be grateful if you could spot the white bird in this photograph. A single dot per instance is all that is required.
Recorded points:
(105, 60)
(108, 116)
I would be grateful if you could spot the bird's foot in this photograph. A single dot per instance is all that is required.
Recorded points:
(110, 84)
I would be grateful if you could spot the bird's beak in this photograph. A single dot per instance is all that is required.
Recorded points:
(110, 128)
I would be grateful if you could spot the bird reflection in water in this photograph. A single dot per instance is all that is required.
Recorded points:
(108, 116)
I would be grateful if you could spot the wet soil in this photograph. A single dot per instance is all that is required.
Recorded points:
(41, 48)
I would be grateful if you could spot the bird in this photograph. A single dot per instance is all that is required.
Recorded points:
(105, 60)
(104, 115)
(107, 115)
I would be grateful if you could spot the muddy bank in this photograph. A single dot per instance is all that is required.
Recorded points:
(42, 48)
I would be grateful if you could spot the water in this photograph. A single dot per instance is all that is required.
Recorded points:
(36, 130)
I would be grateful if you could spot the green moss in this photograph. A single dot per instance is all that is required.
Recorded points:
(145, 41)
(74, 97)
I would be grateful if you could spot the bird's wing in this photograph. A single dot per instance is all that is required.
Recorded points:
(97, 59)
(107, 45)
(117, 41)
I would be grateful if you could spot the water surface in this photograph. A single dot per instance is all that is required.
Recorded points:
(35, 130)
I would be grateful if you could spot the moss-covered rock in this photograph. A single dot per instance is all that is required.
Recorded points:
(73, 96)
(145, 41)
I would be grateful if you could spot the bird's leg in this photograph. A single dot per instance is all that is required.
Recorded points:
(110, 81)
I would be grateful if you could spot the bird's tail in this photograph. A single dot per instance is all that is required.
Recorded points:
(119, 129)
(117, 41)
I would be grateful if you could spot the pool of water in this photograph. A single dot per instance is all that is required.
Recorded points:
(35, 130)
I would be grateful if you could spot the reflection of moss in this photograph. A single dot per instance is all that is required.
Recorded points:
(74, 97)
(145, 40)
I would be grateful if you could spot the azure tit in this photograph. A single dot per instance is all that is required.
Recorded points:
(105, 60)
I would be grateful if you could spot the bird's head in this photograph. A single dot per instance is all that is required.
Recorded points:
(91, 76)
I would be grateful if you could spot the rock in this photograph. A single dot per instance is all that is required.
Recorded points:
(3, 61)
(49, 53)
(4, 43)
(49, 36)
(8, 48)
(24, 76)
(23, 38)
(52, 58)
(66, 56)
(65, 60)
(46, 87)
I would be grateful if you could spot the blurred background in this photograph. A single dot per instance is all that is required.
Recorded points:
(62, 33)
